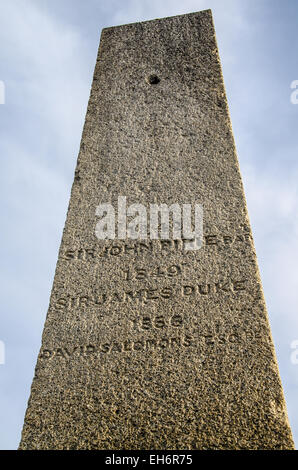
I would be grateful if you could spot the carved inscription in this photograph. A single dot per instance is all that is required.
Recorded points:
(187, 340)
(116, 249)
(187, 291)
(142, 344)
(141, 273)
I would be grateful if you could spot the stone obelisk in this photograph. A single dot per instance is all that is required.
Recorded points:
(147, 345)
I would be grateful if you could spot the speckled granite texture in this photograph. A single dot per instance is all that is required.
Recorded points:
(146, 345)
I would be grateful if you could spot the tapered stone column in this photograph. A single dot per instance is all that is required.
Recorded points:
(147, 344)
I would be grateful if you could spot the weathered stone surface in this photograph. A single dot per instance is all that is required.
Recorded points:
(145, 345)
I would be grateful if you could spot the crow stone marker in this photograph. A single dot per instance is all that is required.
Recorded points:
(148, 344)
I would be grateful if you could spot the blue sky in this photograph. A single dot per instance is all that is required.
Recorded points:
(47, 55)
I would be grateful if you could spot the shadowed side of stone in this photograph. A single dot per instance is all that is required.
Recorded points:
(147, 345)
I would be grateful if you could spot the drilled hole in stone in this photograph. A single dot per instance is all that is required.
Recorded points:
(153, 79)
